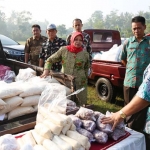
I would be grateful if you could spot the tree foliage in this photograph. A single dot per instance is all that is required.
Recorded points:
(18, 25)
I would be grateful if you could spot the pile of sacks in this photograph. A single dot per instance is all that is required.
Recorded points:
(22, 97)
(88, 123)
(56, 132)
(112, 54)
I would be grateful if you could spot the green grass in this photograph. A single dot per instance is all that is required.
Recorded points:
(102, 106)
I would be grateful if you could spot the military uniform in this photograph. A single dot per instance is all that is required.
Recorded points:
(49, 48)
(33, 47)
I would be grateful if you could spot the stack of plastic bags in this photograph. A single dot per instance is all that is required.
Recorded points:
(112, 54)
(88, 123)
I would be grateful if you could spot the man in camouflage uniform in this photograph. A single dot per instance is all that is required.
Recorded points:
(77, 25)
(51, 46)
(33, 46)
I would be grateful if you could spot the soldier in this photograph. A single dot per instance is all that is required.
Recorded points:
(33, 45)
(51, 46)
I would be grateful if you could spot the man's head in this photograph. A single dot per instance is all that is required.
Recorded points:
(77, 24)
(138, 26)
(36, 30)
(51, 31)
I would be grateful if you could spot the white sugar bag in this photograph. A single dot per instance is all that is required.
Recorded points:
(11, 104)
(30, 89)
(31, 100)
(10, 90)
(2, 104)
(20, 111)
(38, 79)
(25, 74)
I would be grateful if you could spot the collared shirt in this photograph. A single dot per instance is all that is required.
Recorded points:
(33, 47)
(49, 48)
(86, 43)
(144, 93)
(137, 55)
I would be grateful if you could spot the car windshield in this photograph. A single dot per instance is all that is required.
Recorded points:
(7, 41)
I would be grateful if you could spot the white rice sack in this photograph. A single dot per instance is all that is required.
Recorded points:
(10, 91)
(38, 79)
(25, 74)
(68, 91)
(8, 142)
(30, 89)
(35, 108)
(30, 100)
(20, 111)
(12, 103)
(2, 104)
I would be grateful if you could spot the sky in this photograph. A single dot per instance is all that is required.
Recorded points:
(64, 11)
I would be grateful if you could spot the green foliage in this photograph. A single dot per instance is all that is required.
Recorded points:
(18, 25)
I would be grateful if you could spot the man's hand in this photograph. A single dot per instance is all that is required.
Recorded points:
(45, 74)
(114, 119)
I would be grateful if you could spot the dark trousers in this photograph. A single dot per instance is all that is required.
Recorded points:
(129, 94)
(136, 121)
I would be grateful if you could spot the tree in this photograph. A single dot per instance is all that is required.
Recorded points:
(20, 26)
(61, 29)
(3, 28)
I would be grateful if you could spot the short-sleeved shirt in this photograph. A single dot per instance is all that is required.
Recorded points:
(144, 93)
(33, 47)
(86, 43)
(49, 48)
(137, 55)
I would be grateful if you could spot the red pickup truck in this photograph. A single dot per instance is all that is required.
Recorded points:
(106, 75)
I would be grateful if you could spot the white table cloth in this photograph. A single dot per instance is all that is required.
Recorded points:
(136, 141)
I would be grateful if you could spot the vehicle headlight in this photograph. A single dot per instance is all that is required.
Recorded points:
(13, 52)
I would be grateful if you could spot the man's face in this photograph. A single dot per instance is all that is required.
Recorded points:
(77, 25)
(138, 29)
(51, 33)
(36, 32)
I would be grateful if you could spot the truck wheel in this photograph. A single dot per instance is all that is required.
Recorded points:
(105, 90)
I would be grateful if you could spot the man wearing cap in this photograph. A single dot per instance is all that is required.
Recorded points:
(51, 46)
(33, 45)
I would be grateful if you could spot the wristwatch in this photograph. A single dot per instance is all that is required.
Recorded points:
(122, 114)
